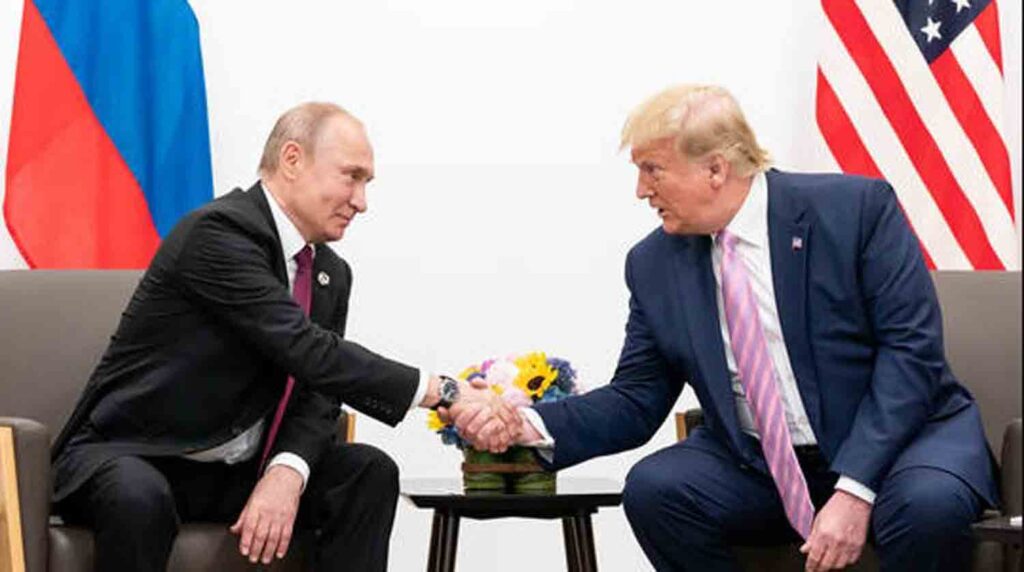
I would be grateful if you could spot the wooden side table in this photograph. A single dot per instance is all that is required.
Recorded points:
(573, 502)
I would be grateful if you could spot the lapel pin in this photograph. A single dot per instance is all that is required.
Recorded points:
(323, 278)
(798, 243)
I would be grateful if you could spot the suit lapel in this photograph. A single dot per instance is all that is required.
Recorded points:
(697, 287)
(789, 237)
(324, 284)
(259, 201)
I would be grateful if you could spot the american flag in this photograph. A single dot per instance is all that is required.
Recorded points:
(912, 91)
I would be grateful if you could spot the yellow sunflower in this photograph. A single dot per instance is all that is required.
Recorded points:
(535, 375)
(434, 422)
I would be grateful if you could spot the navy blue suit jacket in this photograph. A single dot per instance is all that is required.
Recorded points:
(862, 327)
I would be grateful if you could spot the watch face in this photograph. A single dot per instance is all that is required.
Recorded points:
(449, 390)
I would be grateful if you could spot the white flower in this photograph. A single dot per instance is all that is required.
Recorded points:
(502, 372)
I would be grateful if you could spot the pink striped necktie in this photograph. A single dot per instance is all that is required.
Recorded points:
(301, 291)
(757, 376)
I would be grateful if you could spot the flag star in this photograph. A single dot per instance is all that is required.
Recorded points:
(932, 30)
(961, 4)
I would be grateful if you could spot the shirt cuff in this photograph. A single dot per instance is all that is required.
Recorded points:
(421, 390)
(533, 418)
(856, 489)
(294, 461)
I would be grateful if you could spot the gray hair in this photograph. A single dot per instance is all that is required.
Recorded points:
(301, 124)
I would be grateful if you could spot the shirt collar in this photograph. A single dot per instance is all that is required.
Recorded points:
(750, 223)
(291, 239)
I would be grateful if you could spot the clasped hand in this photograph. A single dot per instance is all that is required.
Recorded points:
(484, 419)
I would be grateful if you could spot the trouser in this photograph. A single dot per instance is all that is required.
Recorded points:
(135, 506)
(687, 505)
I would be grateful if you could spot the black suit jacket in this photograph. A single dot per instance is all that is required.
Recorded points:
(207, 341)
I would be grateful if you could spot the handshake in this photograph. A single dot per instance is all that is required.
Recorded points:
(485, 420)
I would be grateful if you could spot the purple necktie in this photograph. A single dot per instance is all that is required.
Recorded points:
(301, 291)
(757, 376)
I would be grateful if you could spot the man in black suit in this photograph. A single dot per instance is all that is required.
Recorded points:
(218, 396)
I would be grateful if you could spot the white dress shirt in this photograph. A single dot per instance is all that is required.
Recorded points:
(246, 445)
(750, 225)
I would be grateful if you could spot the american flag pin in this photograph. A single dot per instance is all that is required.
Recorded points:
(798, 243)
(323, 278)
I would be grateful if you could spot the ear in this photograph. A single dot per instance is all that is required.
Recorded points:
(291, 160)
(718, 170)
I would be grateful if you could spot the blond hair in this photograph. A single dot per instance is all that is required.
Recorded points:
(301, 124)
(703, 119)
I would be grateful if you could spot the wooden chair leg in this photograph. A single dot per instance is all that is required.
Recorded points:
(12, 549)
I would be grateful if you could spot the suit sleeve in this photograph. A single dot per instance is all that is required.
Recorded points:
(228, 273)
(904, 315)
(623, 414)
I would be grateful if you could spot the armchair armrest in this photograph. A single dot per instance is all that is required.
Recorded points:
(687, 421)
(32, 458)
(347, 426)
(1012, 472)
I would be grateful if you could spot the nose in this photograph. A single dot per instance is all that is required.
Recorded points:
(358, 200)
(643, 190)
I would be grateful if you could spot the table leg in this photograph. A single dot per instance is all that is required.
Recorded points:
(444, 541)
(572, 557)
(579, 543)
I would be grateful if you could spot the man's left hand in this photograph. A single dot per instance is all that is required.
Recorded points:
(838, 534)
(266, 521)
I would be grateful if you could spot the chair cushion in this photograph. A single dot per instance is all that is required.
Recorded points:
(199, 546)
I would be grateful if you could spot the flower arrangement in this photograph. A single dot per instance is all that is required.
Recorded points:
(520, 381)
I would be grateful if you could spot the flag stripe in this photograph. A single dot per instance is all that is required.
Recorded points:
(982, 73)
(944, 134)
(140, 67)
(71, 201)
(988, 28)
(891, 157)
(875, 68)
(971, 114)
(846, 146)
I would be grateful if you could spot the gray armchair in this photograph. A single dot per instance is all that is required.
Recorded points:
(56, 324)
(981, 315)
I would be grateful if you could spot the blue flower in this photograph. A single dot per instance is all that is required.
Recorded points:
(554, 393)
(566, 380)
(450, 436)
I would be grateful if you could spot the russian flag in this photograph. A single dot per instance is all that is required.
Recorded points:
(109, 143)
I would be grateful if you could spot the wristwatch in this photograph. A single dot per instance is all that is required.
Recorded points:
(448, 391)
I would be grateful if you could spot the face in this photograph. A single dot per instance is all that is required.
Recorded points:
(685, 193)
(329, 184)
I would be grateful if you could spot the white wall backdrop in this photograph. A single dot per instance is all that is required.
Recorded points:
(502, 211)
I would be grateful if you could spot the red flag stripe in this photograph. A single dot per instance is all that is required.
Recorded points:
(846, 145)
(976, 123)
(71, 201)
(855, 34)
(988, 27)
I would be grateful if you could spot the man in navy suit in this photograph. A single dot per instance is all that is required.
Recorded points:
(800, 310)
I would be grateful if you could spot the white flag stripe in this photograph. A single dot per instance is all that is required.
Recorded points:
(981, 70)
(962, 158)
(888, 152)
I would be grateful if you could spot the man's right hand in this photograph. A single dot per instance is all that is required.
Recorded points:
(483, 418)
(266, 523)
